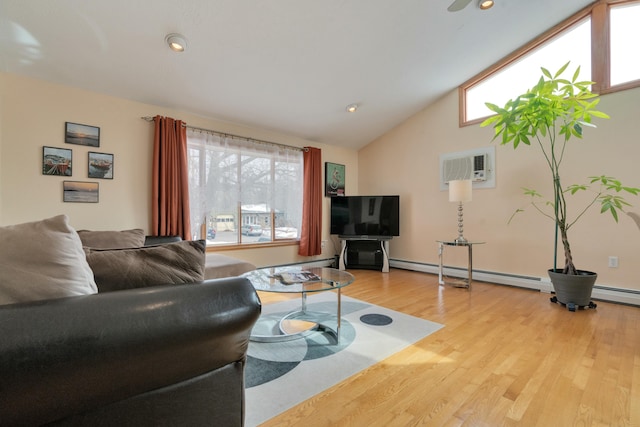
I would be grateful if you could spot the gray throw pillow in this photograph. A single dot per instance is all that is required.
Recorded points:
(112, 239)
(42, 260)
(173, 263)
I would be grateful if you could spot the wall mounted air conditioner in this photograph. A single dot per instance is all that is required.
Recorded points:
(476, 165)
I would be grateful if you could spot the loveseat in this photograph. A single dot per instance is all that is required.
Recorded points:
(171, 354)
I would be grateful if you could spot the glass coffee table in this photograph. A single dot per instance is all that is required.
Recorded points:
(299, 323)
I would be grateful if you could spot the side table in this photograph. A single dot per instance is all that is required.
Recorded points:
(461, 283)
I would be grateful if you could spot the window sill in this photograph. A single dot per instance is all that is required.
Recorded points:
(240, 246)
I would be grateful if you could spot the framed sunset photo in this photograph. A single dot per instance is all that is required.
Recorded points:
(80, 192)
(75, 133)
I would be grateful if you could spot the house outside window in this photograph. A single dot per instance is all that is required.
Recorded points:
(243, 191)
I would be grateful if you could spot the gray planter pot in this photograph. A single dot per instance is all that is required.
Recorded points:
(573, 289)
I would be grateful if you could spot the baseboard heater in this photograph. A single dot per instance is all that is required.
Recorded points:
(600, 292)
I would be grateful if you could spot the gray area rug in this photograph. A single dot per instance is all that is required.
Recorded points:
(281, 375)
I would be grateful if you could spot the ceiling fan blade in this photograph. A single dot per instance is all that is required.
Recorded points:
(458, 5)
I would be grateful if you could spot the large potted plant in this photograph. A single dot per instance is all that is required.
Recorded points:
(549, 115)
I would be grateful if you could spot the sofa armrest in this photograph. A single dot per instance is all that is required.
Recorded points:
(66, 356)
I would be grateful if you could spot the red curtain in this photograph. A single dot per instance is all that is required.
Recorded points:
(311, 232)
(170, 192)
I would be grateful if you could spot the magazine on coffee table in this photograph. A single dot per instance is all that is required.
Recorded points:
(289, 278)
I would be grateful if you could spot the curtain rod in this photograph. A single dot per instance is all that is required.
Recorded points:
(213, 132)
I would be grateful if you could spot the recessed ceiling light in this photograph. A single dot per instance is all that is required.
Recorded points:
(352, 108)
(485, 4)
(176, 42)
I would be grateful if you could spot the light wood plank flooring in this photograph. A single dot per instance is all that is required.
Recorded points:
(506, 357)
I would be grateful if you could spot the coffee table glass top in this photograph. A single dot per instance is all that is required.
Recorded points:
(264, 279)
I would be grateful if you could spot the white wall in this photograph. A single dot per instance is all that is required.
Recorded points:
(33, 114)
(405, 162)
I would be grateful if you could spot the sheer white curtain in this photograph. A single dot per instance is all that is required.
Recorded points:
(253, 182)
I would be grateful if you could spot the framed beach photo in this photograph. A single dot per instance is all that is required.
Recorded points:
(100, 165)
(56, 161)
(80, 192)
(334, 179)
(75, 133)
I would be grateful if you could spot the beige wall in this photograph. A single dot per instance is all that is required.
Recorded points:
(406, 161)
(33, 114)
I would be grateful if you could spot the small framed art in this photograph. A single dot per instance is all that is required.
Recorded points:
(56, 161)
(75, 133)
(80, 192)
(334, 179)
(100, 165)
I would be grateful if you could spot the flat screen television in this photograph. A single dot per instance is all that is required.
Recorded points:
(353, 216)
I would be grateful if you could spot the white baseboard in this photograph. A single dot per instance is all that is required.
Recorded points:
(542, 284)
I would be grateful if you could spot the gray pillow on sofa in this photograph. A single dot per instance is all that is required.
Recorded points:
(42, 260)
(173, 263)
(112, 239)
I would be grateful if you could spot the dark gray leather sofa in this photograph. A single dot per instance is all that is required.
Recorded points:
(158, 356)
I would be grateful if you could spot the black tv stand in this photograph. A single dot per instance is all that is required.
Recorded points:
(365, 252)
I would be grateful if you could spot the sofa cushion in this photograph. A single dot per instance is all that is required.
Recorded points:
(172, 263)
(112, 239)
(42, 260)
(160, 240)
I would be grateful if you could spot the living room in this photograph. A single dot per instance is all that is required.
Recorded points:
(405, 160)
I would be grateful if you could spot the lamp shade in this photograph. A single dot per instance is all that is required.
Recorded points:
(460, 190)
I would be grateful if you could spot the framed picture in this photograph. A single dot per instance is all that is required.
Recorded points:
(56, 161)
(334, 179)
(78, 134)
(80, 192)
(100, 165)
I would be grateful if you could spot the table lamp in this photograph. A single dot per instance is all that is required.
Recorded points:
(460, 191)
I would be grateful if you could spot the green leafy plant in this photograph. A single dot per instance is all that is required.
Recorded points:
(549, 115)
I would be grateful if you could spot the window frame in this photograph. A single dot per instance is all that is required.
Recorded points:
(599, 13)
(239, 244)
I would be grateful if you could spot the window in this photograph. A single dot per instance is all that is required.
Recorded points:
(625, 36)
(243, 191)
(603, 40)
(519, 76)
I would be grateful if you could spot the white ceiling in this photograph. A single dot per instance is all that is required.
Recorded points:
(290, 66)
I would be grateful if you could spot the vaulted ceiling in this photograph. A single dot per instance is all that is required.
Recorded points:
(290, 66)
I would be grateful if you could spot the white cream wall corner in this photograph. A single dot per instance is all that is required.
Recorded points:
(405, 161)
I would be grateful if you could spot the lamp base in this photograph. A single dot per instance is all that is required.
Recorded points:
(460, 238)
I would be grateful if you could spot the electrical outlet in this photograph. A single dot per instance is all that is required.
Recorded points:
(323, 244)
(613, 261)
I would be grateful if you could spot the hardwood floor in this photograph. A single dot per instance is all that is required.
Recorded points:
(506, 357)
